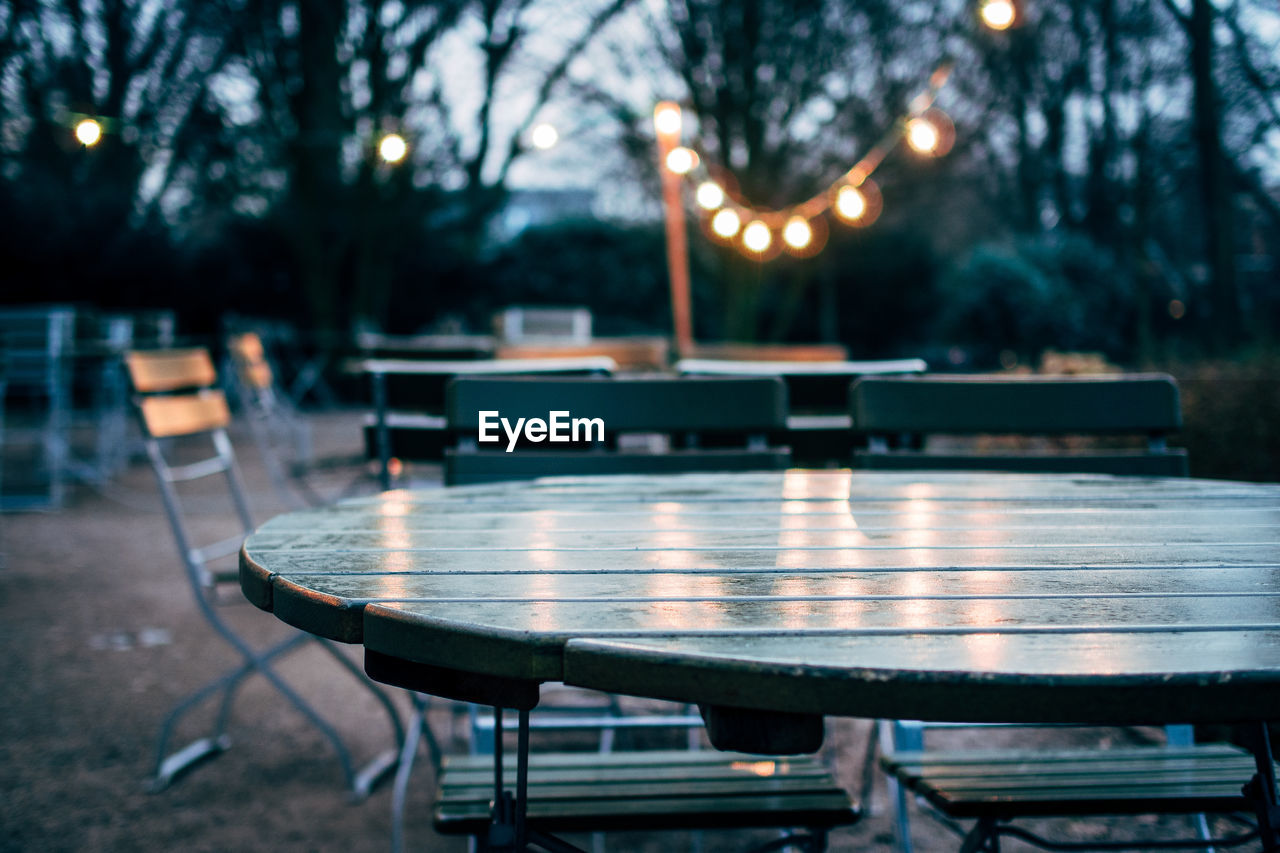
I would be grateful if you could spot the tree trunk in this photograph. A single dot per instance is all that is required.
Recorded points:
(1215, 181)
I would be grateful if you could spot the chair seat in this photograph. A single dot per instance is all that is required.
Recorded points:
(599, 792)
(1005, 784)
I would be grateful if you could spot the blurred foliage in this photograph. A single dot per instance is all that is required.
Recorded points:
(239, 172)
(886, 290)
(619, 272)
(1054, 291)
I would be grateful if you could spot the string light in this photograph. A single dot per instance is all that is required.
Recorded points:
(922, 136)
(858, 205)
(544, 136)
(797, 233)
(666, 119)
(757, 237)
(853, 198)
(726, 223)
(998, 14)
(681, 160)
(392, 148)
(709, 195)
(88, 132)
(850, 204)
(931, 133)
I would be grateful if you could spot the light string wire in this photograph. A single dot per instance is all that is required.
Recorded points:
(921, 106)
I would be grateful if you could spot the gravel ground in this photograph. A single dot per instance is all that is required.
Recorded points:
(99, 636)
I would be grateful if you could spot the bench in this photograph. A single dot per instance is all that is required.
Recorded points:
(643, 790)
(1146, 405)
(678, 424)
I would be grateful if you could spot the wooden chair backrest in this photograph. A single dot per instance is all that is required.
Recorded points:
(156, 374)
(169, 416)
(156, 371)
(250, 360)
(726, 405)
(1116, 404)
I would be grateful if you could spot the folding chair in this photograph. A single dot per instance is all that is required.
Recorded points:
(649, 425)
(627, 791)
(1028, 407)
(706, 424)
(994, 787)
(282, 437)
(176, 402)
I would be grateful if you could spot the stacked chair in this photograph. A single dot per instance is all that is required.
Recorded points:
(38, 353)
(181, 413)
(704, 425)
(897, 417)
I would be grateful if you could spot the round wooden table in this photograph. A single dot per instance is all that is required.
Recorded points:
(786, 596)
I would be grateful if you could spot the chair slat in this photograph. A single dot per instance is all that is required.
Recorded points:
(1024, 783)
(185, 414)
(153, 371)
(622, 791)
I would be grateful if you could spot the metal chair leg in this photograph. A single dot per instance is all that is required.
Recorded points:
(169, 766)
(417, 730)
(367, 778)
(399, 789)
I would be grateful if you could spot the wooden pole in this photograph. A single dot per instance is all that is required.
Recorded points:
(668, 133)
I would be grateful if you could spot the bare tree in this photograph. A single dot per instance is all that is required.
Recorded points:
(460, 80)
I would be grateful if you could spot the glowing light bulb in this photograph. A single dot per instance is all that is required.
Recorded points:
(88, 132)
(797, 233)
(681, 160)
(709, 195)
(666, 118)
(922, 136)
(726, 223)
(544, 136)
(757, 236)
(392, 148)
(850, 203)
(998, 14)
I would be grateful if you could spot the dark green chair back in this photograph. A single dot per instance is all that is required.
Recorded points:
(906, 408)
(709, 424)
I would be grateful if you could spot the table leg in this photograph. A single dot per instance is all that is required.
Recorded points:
(382, 434)
(508, 830)
(1262, 788)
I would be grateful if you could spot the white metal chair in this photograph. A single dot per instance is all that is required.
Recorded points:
(176, 401)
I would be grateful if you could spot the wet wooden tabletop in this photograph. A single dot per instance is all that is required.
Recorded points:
(959, 596)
